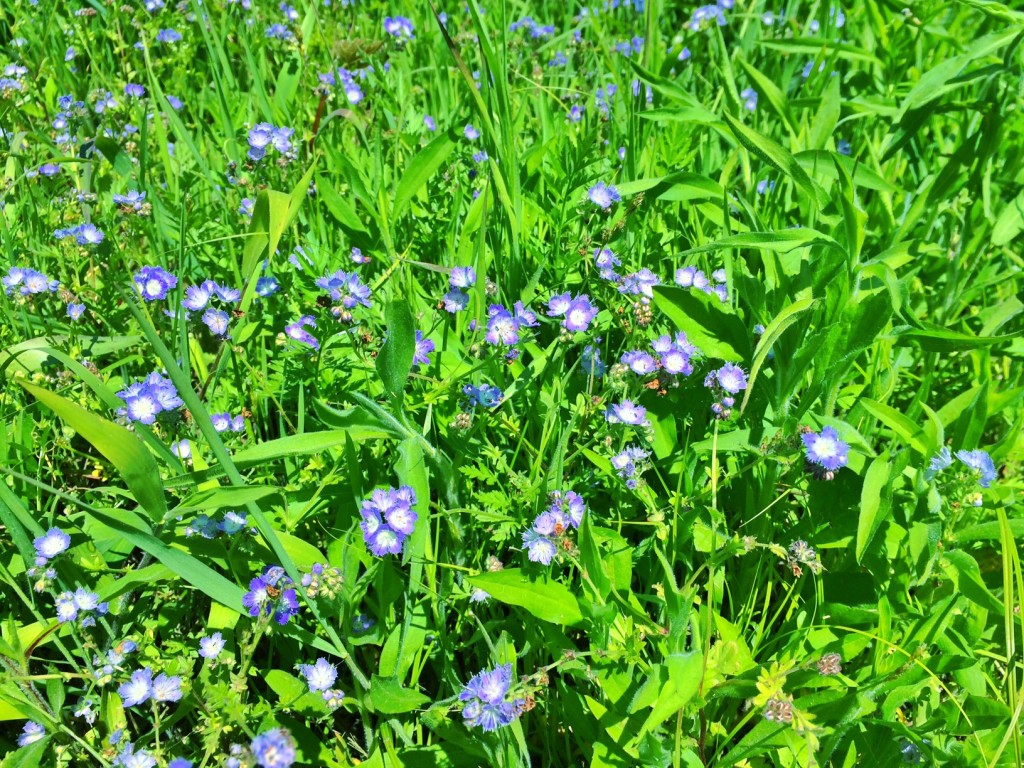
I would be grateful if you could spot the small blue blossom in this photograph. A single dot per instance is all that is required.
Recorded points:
(485, 703)
(826, 449)
(981, 463)
(31, 732)
(603, 195)
(388, 519)
(154, 283)
(274, 749)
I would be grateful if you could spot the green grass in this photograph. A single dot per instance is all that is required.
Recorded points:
(867, 214)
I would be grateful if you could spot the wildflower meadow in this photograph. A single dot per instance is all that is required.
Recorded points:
(502, 383)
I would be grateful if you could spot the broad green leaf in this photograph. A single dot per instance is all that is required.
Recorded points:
(338, 206)
(547, 600)
(296, 445)
(771, 334)
(875, 503)
(388, 697)
(394, 362)
(899, 424)
(423, 166)
(717, 332)
(778, 157)
(943, 340)
(120, 447)
(30, 756)
(591, 560)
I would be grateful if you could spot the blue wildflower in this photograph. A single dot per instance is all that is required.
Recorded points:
(826, 449)
(981, 463)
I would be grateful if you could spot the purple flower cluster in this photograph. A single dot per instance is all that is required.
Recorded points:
(297, 331)
(629, 463)
(145, 400)
(727, 381)
(154, 283)
(50, 544)
(274, 749)
(345, 287)
(264, 136)
(640, 283)
(28, 281)
(626, 412)
(979, 461)
(400, 28)
(82, 604)
(503, 326)
(577, 312)
(83, 234)
(225, 422)
(537, 31)
(606, 261)
(142, 687)
(460, 280)
(133, 201)
(603, 195)
(388, 519)
(485, 699)
(320, 677)
(691, 277)
(674, 356)
(422, 350)
(706, 15)
(542, 538)
(485, 395)
(272, 594)
(347, 79)
(826, 450)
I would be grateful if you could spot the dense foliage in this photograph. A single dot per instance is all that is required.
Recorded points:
(513, 383)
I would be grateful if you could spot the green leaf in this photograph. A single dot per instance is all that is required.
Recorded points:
(898, 423)
(116, 156)
(778, 157)
(395, 358)
(388, 697)
(875, 502)
(119, 446)
(272, 214)
(685, 672)
(717, 332)
(783, 241)
(338, 206)
(933, 339)
(423, 166)
(297, 445)
(771, 334)
(591, 560)
(30, 756)
(547, 600)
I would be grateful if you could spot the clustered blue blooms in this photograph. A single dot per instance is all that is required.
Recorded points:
(603, 195)
(264, 136)
(460, 280)
(400, 28)
(145, 400)
(629, 462)
(273, 749)
(503, 326)
(225, 422)
(388, 519)
(691, 277)
(725, 382)
(28, 281)
(272, 593)
(297, 331)
(485, 395)
(978, 461)
(142, 686)
(346, 288)
(485, 699)
(82, 234)
(106, 668)
(199, 298)
(577, 312)
(627, 412)
(81, 605)
(826, 451)
(320, 677)
(547, 533)
(154, 283)
(674, 356)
